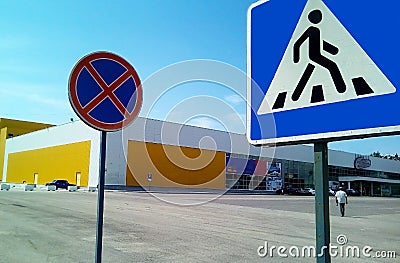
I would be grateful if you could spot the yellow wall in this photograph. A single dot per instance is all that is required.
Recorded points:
(3, 136)
(18, 127)
(58, 162)
(12, 128)
(174, 166)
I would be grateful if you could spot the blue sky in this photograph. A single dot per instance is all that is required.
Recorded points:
(40, 42)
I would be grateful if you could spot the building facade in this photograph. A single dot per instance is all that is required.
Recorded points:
(181, 156)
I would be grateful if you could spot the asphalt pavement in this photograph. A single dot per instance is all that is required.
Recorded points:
(60, 226)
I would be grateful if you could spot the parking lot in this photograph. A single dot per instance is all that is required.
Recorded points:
(60, 226)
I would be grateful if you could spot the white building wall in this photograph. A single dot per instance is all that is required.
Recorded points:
(117, 143)
(345, 159)
(380, 164)
(305, 153)
(156, 131)
(116, 159)
(64, 134)
(301, 153)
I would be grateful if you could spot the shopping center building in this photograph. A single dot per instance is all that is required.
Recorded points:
(173, 155)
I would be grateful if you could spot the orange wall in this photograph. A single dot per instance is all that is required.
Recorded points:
(57, 162)
(174, 166)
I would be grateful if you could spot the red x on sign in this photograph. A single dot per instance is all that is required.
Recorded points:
(105, 91)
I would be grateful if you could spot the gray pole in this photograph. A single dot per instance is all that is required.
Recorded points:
(321, 181)
(100, 197)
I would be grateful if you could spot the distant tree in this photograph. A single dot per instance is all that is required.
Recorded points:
(395, 157)
(376, 154)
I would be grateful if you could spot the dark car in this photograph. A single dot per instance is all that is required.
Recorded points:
(352, 192)
(60, 184)
(302, 191)
(296, 191)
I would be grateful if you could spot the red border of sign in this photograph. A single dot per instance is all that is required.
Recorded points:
(80, 110)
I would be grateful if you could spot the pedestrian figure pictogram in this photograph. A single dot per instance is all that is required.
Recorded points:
(313, 35)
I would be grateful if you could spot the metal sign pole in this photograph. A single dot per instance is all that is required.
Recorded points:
(100, 197)
(321, 181)
(104, 121)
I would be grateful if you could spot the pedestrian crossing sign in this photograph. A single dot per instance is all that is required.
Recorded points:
(321, 70)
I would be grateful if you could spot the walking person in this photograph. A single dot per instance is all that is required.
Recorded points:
(341, 199)
(313, 35)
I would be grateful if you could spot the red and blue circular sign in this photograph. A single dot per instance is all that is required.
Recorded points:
(105, 91)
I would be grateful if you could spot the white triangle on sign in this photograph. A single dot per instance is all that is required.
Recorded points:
(336, 46)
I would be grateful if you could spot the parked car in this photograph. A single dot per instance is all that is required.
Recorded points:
(60, 184)
(296, 191)
(289, 190)
(310, 190)
(352, 192)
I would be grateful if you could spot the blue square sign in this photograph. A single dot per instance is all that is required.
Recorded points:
(322, 70)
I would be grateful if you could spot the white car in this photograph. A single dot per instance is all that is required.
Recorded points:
(310, 190)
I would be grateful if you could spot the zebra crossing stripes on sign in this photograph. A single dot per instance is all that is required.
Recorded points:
(321, 69)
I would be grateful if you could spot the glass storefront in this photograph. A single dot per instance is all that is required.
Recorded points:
(395, 190)
(298, 174)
